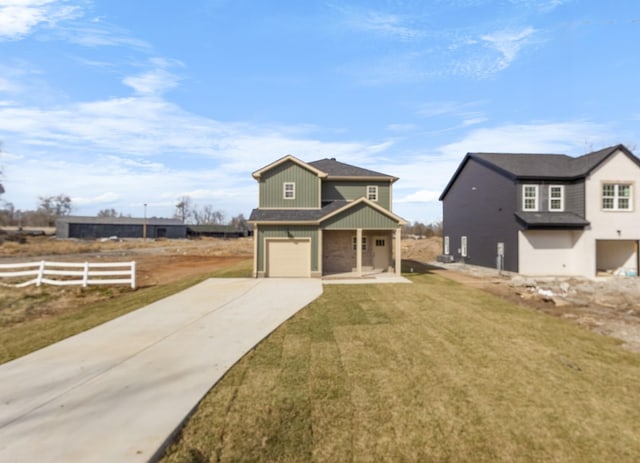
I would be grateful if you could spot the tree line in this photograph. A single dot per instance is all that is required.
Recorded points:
(52, 207)
(421, 230)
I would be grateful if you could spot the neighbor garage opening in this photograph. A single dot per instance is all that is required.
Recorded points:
(617, 257)
(288, 257)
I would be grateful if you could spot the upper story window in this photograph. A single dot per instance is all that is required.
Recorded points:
(529, 197)
(372, 193)
(616, 196)
(289, 190)
(556, 198)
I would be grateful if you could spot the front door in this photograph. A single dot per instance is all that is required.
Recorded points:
(381, 252)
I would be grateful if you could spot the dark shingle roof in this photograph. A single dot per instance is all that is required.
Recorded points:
(295, 215)
(119, 220)
(530, 166)
(551, 219)
(339, 169)
(555, 166)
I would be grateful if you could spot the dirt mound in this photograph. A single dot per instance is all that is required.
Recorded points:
(422, 250)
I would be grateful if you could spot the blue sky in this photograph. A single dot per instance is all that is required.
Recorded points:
(118, 103)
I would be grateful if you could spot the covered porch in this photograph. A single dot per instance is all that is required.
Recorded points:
(360, 253)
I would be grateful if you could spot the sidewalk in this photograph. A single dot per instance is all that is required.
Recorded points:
(117, 392)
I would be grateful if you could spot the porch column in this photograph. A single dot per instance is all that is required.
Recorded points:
(398, 251)
(359, 251)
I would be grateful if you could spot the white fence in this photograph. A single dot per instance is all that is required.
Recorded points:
(69, 273)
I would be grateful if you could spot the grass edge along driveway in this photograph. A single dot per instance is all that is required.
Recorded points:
(23, 338)
(433, 371)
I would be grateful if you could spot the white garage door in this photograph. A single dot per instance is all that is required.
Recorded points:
(288, 258)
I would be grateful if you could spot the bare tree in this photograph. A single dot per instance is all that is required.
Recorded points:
(207, 215)
(111, 212)
(184, 209)
(52, 207)
(1, 187)
(239, 223)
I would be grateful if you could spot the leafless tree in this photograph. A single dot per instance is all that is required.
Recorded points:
(184, 209)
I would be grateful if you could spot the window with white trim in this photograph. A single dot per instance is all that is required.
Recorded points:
(556, 197)
(364, 243)
(289, 190)
(616, 197)
(529, 197)
(463, 246)
(446, 245)
(372, 192)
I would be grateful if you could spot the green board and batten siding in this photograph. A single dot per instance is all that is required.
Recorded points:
(360, 216)
(272, 187)
(287, 231)
(352, 190)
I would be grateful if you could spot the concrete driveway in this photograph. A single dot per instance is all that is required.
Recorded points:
(115, 393)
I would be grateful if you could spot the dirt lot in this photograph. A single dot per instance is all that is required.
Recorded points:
(610, 306)
(157, 263)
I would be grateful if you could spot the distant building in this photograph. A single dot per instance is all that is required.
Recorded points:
(122, 227)
(216, 231)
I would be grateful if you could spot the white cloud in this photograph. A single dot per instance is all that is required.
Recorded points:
(8, 86)
(18, 18)
(508, 43)
(420, 196)
(562, 137)
(153, 82)
(386, 24)
(104, 198)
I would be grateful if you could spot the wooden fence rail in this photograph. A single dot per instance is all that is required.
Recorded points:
(69, 273)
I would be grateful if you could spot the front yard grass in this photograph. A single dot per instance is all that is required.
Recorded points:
(432, 371)
(33, 333)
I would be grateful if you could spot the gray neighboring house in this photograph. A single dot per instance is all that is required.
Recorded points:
(324, 217)
(545, 214)
(122, 227)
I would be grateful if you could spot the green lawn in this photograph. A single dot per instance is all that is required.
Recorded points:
(20, 339)
(432, 371)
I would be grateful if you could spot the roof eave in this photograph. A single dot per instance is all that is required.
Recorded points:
(258, 173)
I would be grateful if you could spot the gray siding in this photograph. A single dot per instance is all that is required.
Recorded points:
(574, 193)
(100, 230)
(287, 231)
(480, 205)
(307, 187)
(351, 190)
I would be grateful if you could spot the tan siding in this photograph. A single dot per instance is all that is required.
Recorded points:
(283, 231)
(351, 190)
(271, 187)
(360, 216)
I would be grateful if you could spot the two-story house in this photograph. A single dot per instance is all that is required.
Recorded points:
(545, 214)
(324, 217)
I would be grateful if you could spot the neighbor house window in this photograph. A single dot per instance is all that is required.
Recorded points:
(364, 243)
(446, 245)
(372, 193)
(289, 190)
(463, 246)
(556, 198)
(530, 197)
(616, 197)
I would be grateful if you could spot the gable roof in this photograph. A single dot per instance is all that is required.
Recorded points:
(336, 170)
(530, 166)
(329, 168)
(314, 216)
(288, 158)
